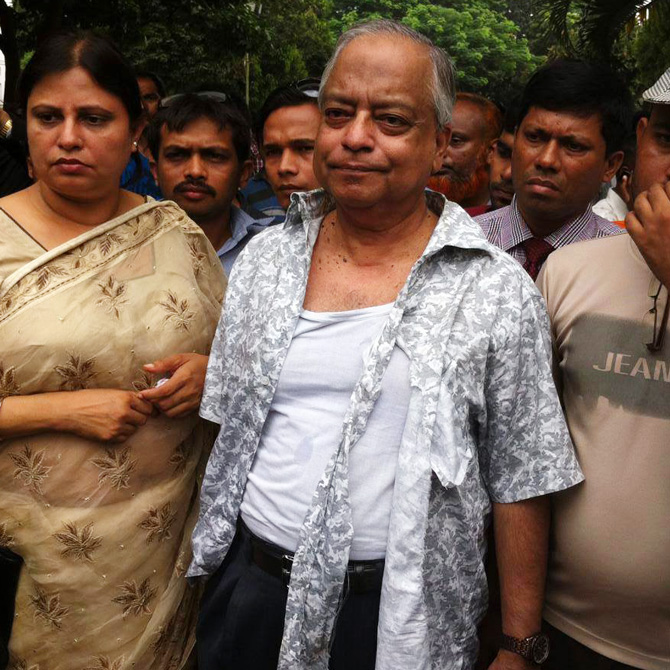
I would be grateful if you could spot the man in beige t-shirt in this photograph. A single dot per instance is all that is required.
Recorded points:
(608, 586)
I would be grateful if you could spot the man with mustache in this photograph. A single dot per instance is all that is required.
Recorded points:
(381, 376)
(201, 143)
(573, 119)
(464, 175)
(608, 584)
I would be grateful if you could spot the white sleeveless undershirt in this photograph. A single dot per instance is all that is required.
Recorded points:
(304, 427)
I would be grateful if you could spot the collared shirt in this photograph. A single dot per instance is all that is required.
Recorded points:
(243, 227)
(612, 207)
(483, 423)
(506, 229)
(258, 199)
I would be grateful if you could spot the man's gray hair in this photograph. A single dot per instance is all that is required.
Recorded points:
(442, 86)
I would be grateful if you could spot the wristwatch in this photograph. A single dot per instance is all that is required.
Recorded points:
(534, 648)
(6, 129)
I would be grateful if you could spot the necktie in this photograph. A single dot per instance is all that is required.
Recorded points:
(537, 251)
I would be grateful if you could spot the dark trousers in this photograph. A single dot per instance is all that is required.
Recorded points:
(241, 619)
(568, 654)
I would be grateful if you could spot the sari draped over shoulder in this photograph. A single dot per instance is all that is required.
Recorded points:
(103, 529)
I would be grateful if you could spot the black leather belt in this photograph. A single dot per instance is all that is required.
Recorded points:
(361, 577)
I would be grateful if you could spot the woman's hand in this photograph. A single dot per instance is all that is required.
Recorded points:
(107, 415)
(181, 393)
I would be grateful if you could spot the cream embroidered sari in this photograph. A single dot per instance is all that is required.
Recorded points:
(104, 530)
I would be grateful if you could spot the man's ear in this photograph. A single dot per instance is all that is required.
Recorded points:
(614, 162)
(641, 127)
(442, 143)
(153, 166)
(246, 172)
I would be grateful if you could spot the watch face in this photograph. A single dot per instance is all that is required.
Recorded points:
(540, 649)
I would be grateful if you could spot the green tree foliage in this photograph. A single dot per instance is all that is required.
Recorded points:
(599, 25)
(651, 48)
(490, 54)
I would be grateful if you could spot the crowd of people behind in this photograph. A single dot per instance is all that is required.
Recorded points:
(427, 429)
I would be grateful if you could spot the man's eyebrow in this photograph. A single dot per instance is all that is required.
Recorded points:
(661, 125)
(302, 141)
(580, 139)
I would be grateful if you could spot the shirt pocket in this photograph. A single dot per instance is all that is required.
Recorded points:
(451, 448)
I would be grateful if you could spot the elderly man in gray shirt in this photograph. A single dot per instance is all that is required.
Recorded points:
(381, 375)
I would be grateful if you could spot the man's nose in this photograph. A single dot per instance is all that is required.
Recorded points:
(358, 133)
(548, 157)
(287, 163)
(196, 167)
(506, 172)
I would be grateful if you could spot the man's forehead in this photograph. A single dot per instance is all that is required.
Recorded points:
(572, 122)
(200, 132)
(660, 116)
(394, 62)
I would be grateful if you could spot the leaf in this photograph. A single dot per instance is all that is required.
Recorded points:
(135, 598)
(157, 523)
(79, 544)
(77, 373)
(116, 466)
(30, 468)
(48, 608)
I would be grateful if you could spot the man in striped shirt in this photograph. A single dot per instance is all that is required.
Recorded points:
(573, 119)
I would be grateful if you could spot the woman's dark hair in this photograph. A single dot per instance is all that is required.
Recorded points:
(96, 54)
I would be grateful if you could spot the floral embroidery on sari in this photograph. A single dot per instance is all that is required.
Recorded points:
(157, 523)
(48, 608)
(178, 313)
(30, 468)
(135, 598)
(6, 538)
(116, 466)
(77, 373)
(8, 385)
(105, 663)
(113, 296)
(78, 543)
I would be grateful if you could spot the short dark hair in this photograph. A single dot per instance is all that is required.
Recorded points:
(493, 119)
(98, 55)
(511, 117)
(189, 107)
(584, 89)
(148, 74)
(283, 96)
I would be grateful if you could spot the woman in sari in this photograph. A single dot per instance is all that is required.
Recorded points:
(98, 484)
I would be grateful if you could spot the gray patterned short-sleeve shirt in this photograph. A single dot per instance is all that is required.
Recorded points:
(484, 422)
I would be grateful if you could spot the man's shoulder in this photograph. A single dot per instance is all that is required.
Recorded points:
(605, 227)
(580, 255)
(499, 215)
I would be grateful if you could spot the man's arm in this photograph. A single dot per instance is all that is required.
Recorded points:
(521, 532)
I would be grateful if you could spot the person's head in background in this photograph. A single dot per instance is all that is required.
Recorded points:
(464, 176)
(501, 189)
(152, 91)
(286, 131)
